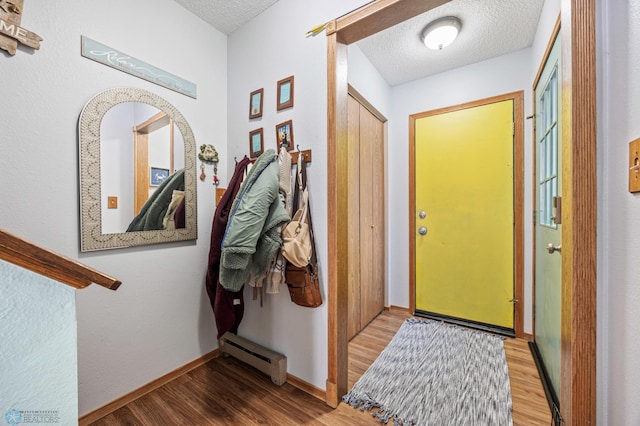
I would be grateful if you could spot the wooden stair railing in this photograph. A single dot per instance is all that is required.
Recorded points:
(52, 265)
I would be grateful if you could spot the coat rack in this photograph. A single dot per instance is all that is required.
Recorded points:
(306, 155)
(294, 160)
(294, 156)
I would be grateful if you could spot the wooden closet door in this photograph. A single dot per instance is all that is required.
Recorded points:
(366, 227)
(371, 217)
(354, 322)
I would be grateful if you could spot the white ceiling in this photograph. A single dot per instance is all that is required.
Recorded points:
(227, 15)
(490, 28)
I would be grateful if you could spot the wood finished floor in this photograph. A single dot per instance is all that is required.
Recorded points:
(225, 391)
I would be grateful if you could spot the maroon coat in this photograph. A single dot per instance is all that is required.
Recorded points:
(228, 306)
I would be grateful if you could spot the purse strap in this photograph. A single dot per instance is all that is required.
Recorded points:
(301, 190)
(302, 186)
(299, 185)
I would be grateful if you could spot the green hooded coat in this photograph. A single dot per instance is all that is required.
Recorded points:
(253, 236)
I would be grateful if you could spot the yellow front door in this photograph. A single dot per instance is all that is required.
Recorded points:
(464, 198)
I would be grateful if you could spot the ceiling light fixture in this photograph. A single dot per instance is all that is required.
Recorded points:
(441, 32)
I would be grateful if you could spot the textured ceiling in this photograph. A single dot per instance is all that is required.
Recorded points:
(226, 15)
(490, 28)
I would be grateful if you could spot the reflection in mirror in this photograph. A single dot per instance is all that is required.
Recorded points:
(140, 147)
(137, 171)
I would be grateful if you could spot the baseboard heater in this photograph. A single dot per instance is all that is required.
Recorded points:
(265, 360)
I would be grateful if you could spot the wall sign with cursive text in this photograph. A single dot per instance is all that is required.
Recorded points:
(113, 58)
(11, 33)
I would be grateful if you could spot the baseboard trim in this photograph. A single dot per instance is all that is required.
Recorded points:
(401, 309)
(306, 387)
(332, 398)
(109, 408)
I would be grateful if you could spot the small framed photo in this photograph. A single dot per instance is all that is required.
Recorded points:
(284, 135)
(157, 176)
(256, 143)
(285, 93)
(255, 103)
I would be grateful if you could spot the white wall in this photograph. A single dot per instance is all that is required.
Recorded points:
(38, 350)
(161, 307)
(363, 77)
(618, 244)
(508, 73)
(269, 48)
(548, 17)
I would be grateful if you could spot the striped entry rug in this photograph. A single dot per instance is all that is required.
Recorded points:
(432, 373)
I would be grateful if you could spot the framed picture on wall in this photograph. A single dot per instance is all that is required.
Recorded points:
(285, 93)
(255, 103)
(157, 176)
(256, 143)
(284, 135)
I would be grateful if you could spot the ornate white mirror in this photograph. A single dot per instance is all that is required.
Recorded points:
(137, 171)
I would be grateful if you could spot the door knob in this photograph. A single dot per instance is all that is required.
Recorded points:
(422, 230)
(551, 248)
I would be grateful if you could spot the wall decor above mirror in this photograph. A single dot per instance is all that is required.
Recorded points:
(127, 136)
(126, 63)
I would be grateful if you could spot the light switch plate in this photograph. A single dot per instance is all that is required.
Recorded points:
(219, 194)
(634, 166)
(112, 202)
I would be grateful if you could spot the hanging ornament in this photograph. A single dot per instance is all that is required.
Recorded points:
(216, 181)
(208, 154)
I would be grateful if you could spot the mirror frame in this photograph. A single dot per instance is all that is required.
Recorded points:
(91, 236)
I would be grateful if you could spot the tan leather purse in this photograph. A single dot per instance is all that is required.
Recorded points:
(303, 281)
(296, 236)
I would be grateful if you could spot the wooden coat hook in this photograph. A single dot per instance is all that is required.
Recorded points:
(306, 153)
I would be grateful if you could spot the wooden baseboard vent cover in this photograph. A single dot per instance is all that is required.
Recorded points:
(265, 360)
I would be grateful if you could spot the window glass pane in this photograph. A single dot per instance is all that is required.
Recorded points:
(554, 150)
(543, 112)
(554, 192)
(547, 109)
(549, 154)
(543, 160)
(549, 202)
(542, 203)
(553, 88)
